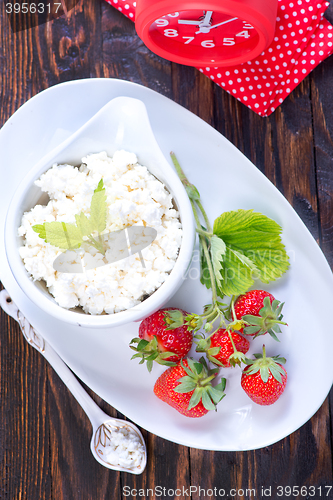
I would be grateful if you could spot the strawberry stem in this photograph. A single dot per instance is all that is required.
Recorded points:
(206, 252)
(201, 208)
(203, 232)
(264, 352)
(232, 341)
(97, 244)
(232, 307)
(207, 380)
(215, 312)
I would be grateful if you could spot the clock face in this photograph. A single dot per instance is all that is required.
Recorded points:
(206, 37)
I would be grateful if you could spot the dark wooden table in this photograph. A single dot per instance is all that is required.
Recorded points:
(293, 147)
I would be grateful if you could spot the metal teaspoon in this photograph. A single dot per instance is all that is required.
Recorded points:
(104, 427)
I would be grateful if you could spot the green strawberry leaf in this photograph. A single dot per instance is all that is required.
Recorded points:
(237, 276)
(217, 250)
(242, 221)
(253, 248)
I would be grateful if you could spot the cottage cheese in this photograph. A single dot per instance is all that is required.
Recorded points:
(123, 447)
(134, 198)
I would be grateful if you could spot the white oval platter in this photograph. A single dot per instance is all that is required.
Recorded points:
(227, 180)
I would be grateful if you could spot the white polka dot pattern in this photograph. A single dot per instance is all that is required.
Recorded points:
(124, 6)
(303, 39)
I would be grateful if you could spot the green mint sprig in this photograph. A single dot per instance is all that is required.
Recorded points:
(66, 235)
(241, 245)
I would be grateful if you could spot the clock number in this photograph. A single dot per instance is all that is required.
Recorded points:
(170, 32)
(175, 14)
(248, 26)
(188, 39)
(244, 33)
(161, 22)
(208, 44)
(228, 41)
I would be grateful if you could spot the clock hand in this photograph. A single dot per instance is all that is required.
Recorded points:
(205, 22)
(208, 28)
(207, 18)
(183, 21)
(224, 22)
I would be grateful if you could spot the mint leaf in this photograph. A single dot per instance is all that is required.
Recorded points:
(70, 236)
(253, 249)
(83, 224)
(98, 208)
(100, 186)
(40, 230)
(60, 234)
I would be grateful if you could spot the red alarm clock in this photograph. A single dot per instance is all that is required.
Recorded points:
(206, 33)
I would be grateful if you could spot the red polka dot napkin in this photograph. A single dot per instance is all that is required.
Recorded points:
(303, 39)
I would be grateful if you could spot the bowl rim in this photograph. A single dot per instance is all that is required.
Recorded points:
(155, 301)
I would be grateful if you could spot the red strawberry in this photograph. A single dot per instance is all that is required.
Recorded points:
(251, 302)
(187, 388)
(260, 313)
(227, 352)
(163, 337)
(264, 379)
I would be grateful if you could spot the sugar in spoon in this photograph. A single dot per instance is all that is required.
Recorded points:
(117, 444)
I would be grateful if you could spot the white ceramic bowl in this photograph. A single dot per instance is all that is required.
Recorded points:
(122, 123)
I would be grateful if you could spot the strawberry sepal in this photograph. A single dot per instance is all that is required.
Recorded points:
(264, 379)
(149, 352)
(267, 321)
(198, 379)
(173, 319)
(237, 358)
(265, 365)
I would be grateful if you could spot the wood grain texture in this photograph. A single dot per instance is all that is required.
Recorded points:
(44, 434)
(24, 417)
(322, 105)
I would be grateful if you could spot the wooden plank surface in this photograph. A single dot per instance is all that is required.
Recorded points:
(44, 435)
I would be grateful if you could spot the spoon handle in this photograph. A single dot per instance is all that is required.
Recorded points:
(34, 338)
